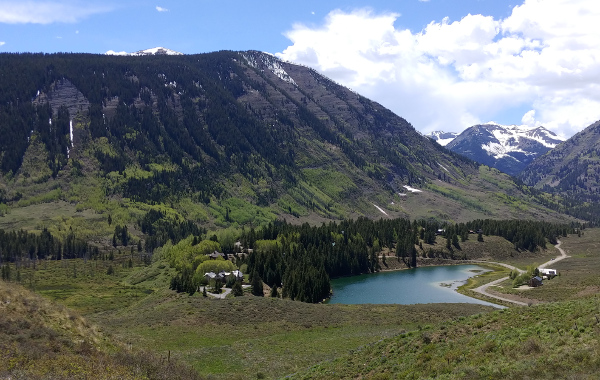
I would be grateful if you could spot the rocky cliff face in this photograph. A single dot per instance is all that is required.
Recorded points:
(64, 93)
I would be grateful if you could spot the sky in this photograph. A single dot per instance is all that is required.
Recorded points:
(441, 64)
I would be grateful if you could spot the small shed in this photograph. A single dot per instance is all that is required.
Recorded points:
(535, 282)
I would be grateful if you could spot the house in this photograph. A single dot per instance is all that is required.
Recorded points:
(237, 274)
(210, 276)
(215, 255)
(549, 272)
(535, 282)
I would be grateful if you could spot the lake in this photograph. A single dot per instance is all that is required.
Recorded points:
(421, 285)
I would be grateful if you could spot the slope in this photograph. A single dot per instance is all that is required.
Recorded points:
(223, 139)
(571, 170)
(42, 340)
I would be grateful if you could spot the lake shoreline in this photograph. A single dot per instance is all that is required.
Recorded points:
(382, 289)
(422, 263)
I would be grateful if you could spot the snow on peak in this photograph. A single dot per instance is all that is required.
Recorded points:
(510, 138)
(272, 63)
(152, 51)
(442, 138)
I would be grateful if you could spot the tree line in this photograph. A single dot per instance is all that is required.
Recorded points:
(302, 259)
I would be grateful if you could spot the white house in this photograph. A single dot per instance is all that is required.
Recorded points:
(548, 272)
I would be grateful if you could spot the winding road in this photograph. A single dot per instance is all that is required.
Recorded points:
(483, 288)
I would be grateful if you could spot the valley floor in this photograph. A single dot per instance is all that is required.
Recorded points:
(253, 337)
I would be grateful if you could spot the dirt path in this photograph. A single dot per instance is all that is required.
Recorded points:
(483, 288)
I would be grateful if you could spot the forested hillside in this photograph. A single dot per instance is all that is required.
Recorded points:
(571, 171)
(223, 139)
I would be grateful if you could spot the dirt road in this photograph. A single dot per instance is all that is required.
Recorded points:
(483, 288)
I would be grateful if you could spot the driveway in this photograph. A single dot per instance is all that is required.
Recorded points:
(483, 288)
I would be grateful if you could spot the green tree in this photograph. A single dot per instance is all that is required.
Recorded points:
(237, 289)
(257, 285)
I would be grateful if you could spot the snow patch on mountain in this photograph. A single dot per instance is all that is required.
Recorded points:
(442, 138)
(510, 139)
(412, 189)
(272, 63)
(151, 51)
(380, 209)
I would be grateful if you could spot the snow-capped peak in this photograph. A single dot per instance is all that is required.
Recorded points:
(506, 147)
(152, 51)
(442, 138)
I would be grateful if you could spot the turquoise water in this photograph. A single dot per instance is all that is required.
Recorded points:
(411, 286)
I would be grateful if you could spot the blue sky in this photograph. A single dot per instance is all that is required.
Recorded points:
(200, 26)
(441, 64)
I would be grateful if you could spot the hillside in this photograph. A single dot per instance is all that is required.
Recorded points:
(506, 148)
(43, 340)
(220, 139)
(571, 170)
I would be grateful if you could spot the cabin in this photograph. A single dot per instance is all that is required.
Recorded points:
(535, 282)
(215, 255)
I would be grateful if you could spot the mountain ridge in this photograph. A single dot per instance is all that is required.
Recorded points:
(507, 148)
(228, 138)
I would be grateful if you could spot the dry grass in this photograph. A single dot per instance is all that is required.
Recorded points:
(42, 340)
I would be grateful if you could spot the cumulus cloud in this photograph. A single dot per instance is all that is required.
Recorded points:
(161, 9)
(112, 52)
(543, 58)
(47, 12)
(2, 43)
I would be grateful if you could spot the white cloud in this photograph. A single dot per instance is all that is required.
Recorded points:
(47, 12)
(2, 43)
(112, 52)
(161, 9)
(544, 57)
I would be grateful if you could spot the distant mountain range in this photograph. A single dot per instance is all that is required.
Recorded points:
(508, 148)
(152, 51)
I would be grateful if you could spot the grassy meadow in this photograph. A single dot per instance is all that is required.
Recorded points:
(246, 337)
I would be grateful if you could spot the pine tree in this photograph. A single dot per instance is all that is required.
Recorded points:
(257, 285)
(237, 289)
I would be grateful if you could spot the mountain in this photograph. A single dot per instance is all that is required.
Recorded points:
(506, 148)
(221, 139)
(571, 170)
(442, 138)
(152, 51)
